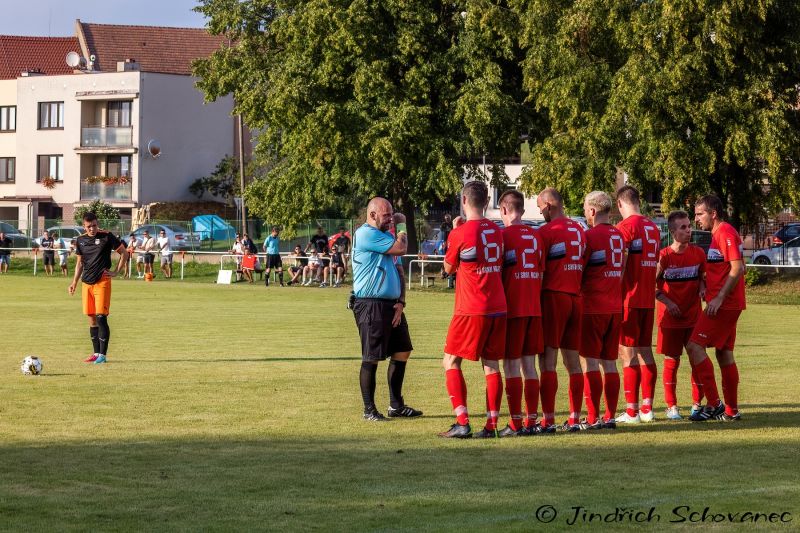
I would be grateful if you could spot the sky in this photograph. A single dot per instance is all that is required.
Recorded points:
(56, 18)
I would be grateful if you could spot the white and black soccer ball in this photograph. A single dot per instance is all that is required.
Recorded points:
(31, 366)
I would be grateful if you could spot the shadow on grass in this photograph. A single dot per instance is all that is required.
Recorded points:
(297, 359)
(376, 481)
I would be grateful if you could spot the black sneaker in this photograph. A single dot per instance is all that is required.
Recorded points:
(487, 434)
(584, 425)
(548, 430)
(374, 416)
(570, 428)
(708, 413)
(609, 424)
(531, 431)
(509, 432)
(725, 417)
(404, 412)
(457, 431)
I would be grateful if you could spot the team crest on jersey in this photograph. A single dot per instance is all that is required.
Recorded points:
(469, 255)
(597, 258)
(715, 256)
(636, 246)
(557, 251)
(97, 241)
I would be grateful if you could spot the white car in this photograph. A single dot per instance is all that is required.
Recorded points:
(787, 253)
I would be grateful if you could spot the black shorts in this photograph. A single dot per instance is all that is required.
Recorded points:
(379, 340)
(149, 258)
(337, 260)
(274, 261)
(49, 258)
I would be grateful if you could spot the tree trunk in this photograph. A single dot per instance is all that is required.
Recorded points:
(405, 205)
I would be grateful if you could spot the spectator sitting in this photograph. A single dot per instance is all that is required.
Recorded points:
(300, 264)
(248, 265)
(316, 270)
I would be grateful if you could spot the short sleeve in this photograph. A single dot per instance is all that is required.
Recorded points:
(113, 241)
(375, 240)
(78, 250)
(701, 258)
(732, 244)
(453, 247)
(627, 233)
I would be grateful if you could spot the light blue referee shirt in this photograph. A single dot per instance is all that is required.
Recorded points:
(374, 272)
(272, 244)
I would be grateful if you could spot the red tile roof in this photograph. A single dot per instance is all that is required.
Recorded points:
(47, 54)
(155, 48)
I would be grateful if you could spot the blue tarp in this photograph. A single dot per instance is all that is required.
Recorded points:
(203, 224)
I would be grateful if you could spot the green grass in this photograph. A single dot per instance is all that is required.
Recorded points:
(237, 408)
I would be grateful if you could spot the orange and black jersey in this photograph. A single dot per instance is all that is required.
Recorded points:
(95, 253)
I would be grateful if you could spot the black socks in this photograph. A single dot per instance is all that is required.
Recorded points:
(394, 375)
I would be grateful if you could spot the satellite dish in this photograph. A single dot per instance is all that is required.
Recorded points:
(154, 148)
(73, 59)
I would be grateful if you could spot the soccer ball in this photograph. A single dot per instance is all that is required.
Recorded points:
(31, 366)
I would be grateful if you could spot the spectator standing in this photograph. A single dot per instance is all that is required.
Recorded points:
(63, 249)
(166, 253)
(318, 242)
(341, 249)
(5, 252)
(272, 249)
(148, 245)
(133, 243)
(48, 254)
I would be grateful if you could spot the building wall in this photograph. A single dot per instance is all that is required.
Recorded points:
(531, 211)
(194, 136)
(8, 141)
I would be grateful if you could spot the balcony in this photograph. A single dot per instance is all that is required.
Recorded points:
(107, 137)
(114, 192)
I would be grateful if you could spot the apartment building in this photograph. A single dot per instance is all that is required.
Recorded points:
(123, 123)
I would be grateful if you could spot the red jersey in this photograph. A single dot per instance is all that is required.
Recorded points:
(523, 264)
(602, 277)
(642, 239)
(680, 282)
(726, 246)
(563, 242)
(476, 249)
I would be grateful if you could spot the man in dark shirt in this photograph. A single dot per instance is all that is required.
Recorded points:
(341, 250)
(5, 253)
(318, 242)
(48, 254)
(93, 267)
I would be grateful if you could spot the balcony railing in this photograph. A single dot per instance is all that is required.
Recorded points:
(103, 191)
(102, 136)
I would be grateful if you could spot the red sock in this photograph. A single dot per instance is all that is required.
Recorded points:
(548, 389)
(671, 380)
(494, 397)
(531, 402)
(697, 388)
(705, 376)
(575, 398)
(649, 380)
(611, 392)
(730, 388)
(457, 389)
(630, 380)
(592, 390)
(514, 398)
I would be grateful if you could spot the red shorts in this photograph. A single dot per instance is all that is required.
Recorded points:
(601, 336)
(718, 331)
(672, 340)
(524, 336)
(561, 320)
(637, 327)
(476, 336)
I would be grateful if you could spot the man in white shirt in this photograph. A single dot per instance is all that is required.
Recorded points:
(147, 245)
(166, 253)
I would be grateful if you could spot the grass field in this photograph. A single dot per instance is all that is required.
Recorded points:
(237, 408)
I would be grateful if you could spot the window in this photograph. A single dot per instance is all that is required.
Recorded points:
(8, 118)
(118, 166)
(51, 115)
(498, 192)
(8, 169)
(119, 114)
(50, 166)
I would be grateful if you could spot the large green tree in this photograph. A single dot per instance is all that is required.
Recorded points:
(688, 96)
(357, 98)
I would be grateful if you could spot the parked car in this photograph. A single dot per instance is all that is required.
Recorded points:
(19, 240)
(180, 238)
(786, 234)
(782, 254)
(68, 233)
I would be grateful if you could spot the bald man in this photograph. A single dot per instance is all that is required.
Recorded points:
(379, 301)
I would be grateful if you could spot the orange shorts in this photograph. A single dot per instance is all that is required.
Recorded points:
(601, 336)
(637, 327)
(718, 331)
(476, 336)
(524, 336)
(97, 297)
(562, 314)
(672, 340)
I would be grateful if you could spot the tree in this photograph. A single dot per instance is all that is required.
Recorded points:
(223, 182)
(103, 211)
(355, 98)
(688, 96)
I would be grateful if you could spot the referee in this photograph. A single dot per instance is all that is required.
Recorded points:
(378, 308)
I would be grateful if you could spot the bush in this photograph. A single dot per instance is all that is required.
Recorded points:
(103, 211)
(754, 277)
